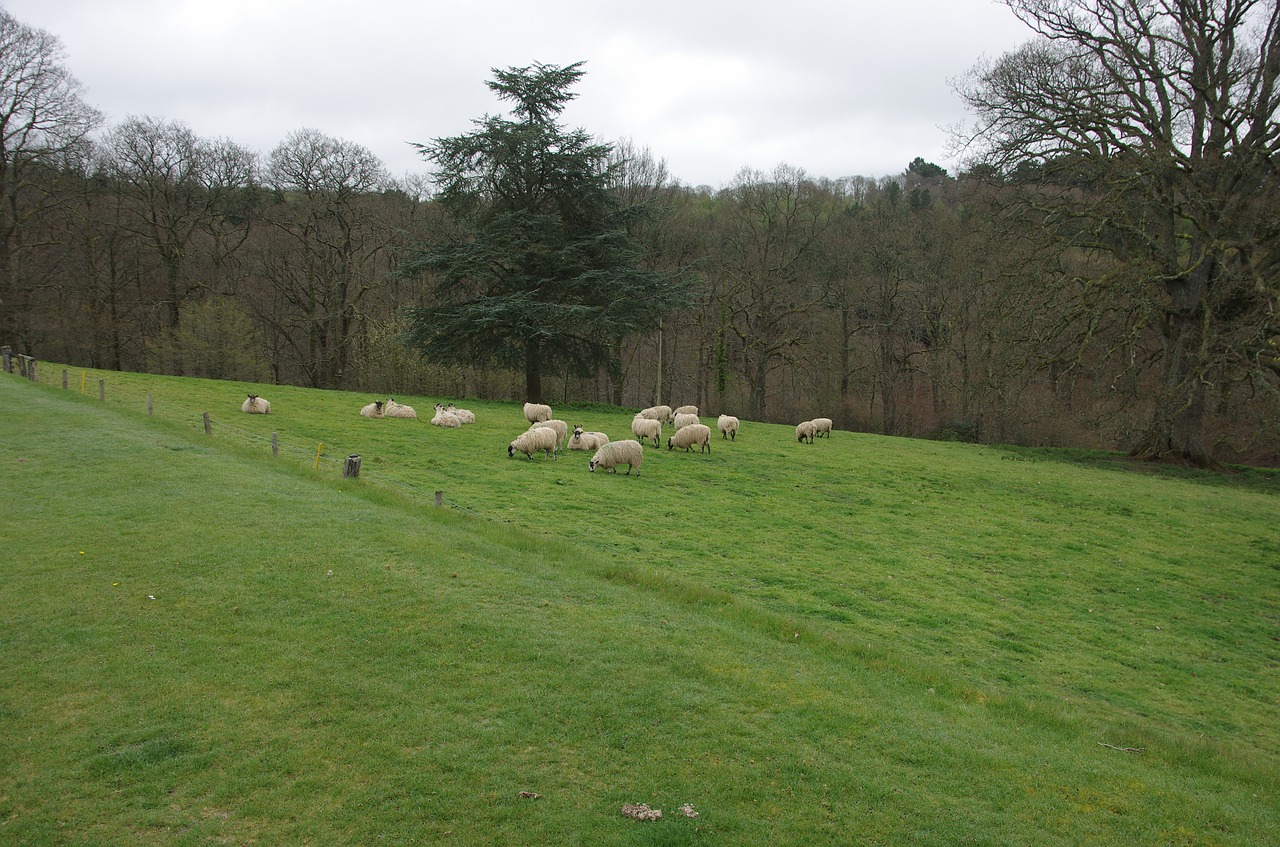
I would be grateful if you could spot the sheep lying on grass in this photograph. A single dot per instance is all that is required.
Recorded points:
(587, 440)
(805, 431)
(821, 427)
(373, 410)
(687, 436)
(465, 415)
(629, 453)
(537, 413)
(683, 419)
(561, 428)
(445, 419)
(643, 428)
(540, 438)
(392, 409)
(256, 405)
(656, 413)
(728, 426)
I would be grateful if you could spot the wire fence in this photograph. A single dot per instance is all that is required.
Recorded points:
(323, 455)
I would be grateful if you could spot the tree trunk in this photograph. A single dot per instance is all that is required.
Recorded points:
(1176, 432)
(532, 371)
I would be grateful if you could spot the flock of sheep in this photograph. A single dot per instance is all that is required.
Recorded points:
(550, 436)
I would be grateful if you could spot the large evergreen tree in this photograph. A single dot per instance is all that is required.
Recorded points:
(541, 271)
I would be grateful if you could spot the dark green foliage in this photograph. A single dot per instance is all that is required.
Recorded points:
(543, 272)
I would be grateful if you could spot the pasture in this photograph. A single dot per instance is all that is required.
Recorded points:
(864, 640)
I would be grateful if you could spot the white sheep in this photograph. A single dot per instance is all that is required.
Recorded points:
(643, 428)
(806, 430)
(531, 441)
(686, 410)
(392, 409)
(687, 436)
(465, 415)
(615, 453)
(537, 413)
(822, 426)
(256, 405)
(587, 440)
(373, 410)
(728, 426)
(657, 413)
(445, 419)
(561, 428)
(683, 419)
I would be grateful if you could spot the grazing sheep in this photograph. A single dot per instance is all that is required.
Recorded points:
(445, 419)
(392, 409)
(686, 410)
(587, 440)
(683, 419)
(657, 413)
(728, 426)
(561, 428)
(687, 436)
(531, 441)
(629, 453)
(643, 428)
(806, 430)
(537, 413)
(256, 405)
(822, 426)
(373, 410)
(465, 415)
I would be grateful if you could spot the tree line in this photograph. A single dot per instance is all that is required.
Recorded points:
(1102, 273)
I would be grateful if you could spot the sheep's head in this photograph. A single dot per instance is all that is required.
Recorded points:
(669, 444)
(377, 404)
(253, 398)
(511, 450)
(591, 465)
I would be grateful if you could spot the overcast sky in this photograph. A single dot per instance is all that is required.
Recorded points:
(835, 87)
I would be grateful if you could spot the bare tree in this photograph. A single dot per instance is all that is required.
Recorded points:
(1145, 135)
(42, 118)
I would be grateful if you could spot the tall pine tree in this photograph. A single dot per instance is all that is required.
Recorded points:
(541, 272)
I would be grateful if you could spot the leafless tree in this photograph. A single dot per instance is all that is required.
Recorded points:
(1144, 134)
(43, 117)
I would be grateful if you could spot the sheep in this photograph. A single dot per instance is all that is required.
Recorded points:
(465, 415)
(392, 409)
(728, 426)
(531, 441)
(822, 426)
(537, 413)
(806, 430)
(587, 440)
(561, 428)
(256, 405)
(657, 413)
(445, 419)
(686, 410)
(373, 410)
(629, 453)
(683, 419)
(687, 436)
(643, 428)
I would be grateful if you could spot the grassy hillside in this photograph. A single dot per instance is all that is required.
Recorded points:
(864, 640)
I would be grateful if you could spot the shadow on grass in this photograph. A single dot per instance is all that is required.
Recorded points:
(1234, 477)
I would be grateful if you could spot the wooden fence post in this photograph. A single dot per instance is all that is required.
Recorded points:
(6, 353)
(149, 405)
(351, 468)
(102, 389)
(439, 499)
(64, 379)
(32, 369)
(208, 427)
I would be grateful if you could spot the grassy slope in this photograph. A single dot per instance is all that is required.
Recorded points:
(872, 637)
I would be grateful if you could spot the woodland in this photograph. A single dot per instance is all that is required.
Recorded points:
(1102, 274)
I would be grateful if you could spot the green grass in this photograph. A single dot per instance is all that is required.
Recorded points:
(865, 640)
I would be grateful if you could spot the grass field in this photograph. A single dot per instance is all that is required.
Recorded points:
(865, 640)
